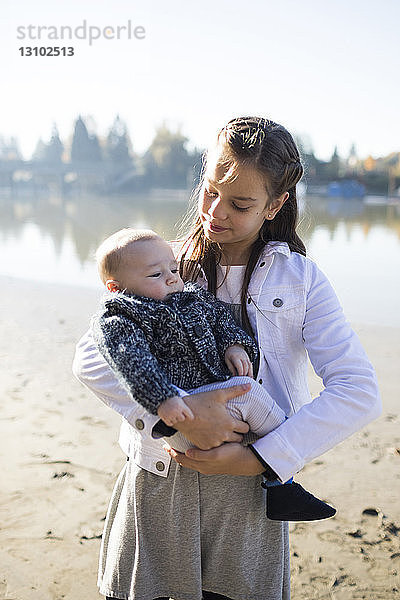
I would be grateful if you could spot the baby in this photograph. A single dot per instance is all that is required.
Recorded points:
(159, 334)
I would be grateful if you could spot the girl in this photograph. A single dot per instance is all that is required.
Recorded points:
(186, 534)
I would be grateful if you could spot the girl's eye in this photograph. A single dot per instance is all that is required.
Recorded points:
(240, 208)
(174, 270)
(154, 275)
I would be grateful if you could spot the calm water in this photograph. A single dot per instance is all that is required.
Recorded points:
(356, 244)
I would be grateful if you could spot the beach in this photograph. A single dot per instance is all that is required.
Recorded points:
(60, 458)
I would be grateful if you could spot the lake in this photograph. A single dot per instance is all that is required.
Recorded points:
(357, 244)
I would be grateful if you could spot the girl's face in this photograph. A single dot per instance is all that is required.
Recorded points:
(233, 212)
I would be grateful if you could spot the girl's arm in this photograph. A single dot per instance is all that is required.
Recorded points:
(212, 424)
(349, 401)
(93, 371)
(350, 398)
(228, 459)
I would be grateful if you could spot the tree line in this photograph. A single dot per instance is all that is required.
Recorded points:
(110, 165)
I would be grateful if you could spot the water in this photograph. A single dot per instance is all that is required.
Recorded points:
(356, 244)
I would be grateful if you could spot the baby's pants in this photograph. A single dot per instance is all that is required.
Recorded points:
(256, 407)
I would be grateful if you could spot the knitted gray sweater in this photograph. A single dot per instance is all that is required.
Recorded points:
(154, 345)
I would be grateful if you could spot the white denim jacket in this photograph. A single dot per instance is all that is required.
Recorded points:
(294, 312)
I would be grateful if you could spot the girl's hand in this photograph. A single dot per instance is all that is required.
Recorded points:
(228, 459)
(238, 362)
(212, 424)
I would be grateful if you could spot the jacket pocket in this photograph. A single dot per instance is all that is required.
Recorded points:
(280, 317)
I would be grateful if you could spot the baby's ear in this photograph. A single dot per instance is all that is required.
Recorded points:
(112, 285)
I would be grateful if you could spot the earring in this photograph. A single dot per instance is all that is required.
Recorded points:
(269, 216)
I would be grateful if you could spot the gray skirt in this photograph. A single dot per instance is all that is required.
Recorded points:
(177, 536)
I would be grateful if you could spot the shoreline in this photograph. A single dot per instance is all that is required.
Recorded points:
(60, 458)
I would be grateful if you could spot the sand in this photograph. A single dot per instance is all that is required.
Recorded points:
(60, 457)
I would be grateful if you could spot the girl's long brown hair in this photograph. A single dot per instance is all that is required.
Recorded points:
(270, 149)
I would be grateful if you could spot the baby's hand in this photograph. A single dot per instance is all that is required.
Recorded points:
(173, 410)
(238, 362)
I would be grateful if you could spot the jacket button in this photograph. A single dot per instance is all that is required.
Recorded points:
(260, 381)
(198, 330)
(160, 465)
(139, 424)
(262, 264)
(277, 302)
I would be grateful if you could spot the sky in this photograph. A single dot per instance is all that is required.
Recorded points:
(328, 71)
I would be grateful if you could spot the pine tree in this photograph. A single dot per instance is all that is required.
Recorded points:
(39, 154)
(85, 148)
(55, 148)
(118, 145)
(9, 149)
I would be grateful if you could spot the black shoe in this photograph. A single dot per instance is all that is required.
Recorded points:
(291, 502)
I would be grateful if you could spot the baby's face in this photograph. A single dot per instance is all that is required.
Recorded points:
(148, 268)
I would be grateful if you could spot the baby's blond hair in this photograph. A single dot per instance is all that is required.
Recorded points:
(109, 254)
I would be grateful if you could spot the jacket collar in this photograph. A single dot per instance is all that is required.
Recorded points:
(269, 249)
(276, 248)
